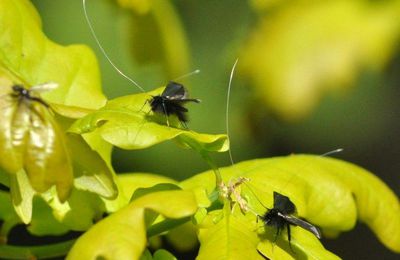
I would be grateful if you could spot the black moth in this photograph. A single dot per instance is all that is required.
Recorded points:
(171, 102)
(281, 215)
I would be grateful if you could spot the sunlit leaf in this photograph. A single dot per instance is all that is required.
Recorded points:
(232, 237)
(123, 234)
(127, 123)
(91, 172)
(128, 183)
(29, 57)
(156, 188)
(303, 50)
(79, 212)
(22, 195)
(304, 245)
(329, 193)
(183, 238)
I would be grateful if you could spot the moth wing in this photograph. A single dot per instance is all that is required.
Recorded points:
(48, 86)
(303, 224)
(46, 158)
(175, 91)
(283, 203)
(13, 129)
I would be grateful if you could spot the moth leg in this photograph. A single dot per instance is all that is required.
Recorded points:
(277, 234)
(165, 113)
(147, 101)
(184, 125)
(289, 236)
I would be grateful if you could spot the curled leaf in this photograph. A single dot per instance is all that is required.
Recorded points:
(128, 123)
(123, 234)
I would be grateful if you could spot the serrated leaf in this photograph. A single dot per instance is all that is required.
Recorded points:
(301, 51)
(123, 234)
(126, 123)
(329, 193)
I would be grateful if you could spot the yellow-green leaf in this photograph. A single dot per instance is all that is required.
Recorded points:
(303, 245)
(232, 237)
(129, 182)
(91, 171)
(27, 56)
(329, 193)
(22, 195)
(123, 234)
(127, 123)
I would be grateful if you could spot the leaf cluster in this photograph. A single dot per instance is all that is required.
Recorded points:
(70, 185)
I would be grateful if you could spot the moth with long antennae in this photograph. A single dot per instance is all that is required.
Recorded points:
(170, 101)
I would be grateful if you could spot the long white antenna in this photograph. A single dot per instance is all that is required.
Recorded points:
(187, 75)
(227, 109)
(103, 51)
(332, 152)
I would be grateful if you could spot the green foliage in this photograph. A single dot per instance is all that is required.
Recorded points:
(127, 123)
(330, 193)
(76, 188)
(123, 234)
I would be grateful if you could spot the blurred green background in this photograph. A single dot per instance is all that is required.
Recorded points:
(312, 76)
